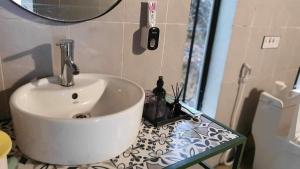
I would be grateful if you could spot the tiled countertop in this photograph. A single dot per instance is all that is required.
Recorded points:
(155, 147)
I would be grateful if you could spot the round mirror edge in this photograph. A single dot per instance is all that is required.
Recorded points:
(68, 21)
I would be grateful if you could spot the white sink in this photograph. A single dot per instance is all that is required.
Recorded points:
(48, 124)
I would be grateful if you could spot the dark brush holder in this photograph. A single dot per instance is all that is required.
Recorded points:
(169, 117)
(158, 111)
(155, 107)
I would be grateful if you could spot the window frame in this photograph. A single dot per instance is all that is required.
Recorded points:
(297, 80)
(208, 52)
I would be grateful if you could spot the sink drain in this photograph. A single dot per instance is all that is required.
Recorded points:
(81, 116)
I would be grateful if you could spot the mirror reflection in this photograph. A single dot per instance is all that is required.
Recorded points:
(68, 10)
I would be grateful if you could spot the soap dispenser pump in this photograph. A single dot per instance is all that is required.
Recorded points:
(159, 90)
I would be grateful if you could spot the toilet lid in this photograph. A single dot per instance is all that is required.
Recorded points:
(5, 144)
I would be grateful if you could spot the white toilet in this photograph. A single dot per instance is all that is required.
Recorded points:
(276, 131)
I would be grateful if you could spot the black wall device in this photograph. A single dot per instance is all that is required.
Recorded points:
(153, 38)
(150, 38)
(150, 33)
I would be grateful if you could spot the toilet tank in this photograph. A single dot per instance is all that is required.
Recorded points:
(275, 126)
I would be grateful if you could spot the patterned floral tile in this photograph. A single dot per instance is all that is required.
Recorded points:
(156, 139)
(160, 150)
(166, 130)
(146, 144)
(155, 147)
(131, 157)
(146, 132)
(161, 162)
(147, 165)
(183, 125)
(103, 165)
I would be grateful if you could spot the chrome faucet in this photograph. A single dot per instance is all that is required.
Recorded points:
(68, 67)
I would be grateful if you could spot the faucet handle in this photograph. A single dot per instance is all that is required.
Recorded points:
(75, 69)
(59, 44)
(65, 42)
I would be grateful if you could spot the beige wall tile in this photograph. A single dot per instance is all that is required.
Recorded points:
(237, 53)
(268, 62)
(287, 76)
(141, 66)
(254, 53)
(294, 13)
(226, 100)
(173, 55)
(117, 14)
(178, 11)
(280, 18)
(98, 46)
(287, 45)
(263, 13)
(295, 46)
(272, 57)
(244, 13)
(27, 52)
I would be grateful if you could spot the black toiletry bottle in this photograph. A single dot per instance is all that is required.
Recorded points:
(160, 98)
(156, 106)
(159, 91)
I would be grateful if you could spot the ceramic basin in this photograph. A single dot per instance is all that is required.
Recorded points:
(94, 120)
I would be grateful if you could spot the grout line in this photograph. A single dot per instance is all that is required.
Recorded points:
(123, 44)
(248, 46)
(122, 53)
(137, 23)
(164, 40)
(283, 33)
(265, 27)
(115, 22)
(254, 15)
(290, 27)
(2, 75)
(109, 22)
(68, 34)
(175, 23)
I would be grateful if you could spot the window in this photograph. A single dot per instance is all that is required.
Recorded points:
(297, 81)
(202, 25)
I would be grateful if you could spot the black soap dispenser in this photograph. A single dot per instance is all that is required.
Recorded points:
(159, 90)
(155, 107)
(150, 32)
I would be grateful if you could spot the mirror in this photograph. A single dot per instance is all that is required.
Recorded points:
(68, 10)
